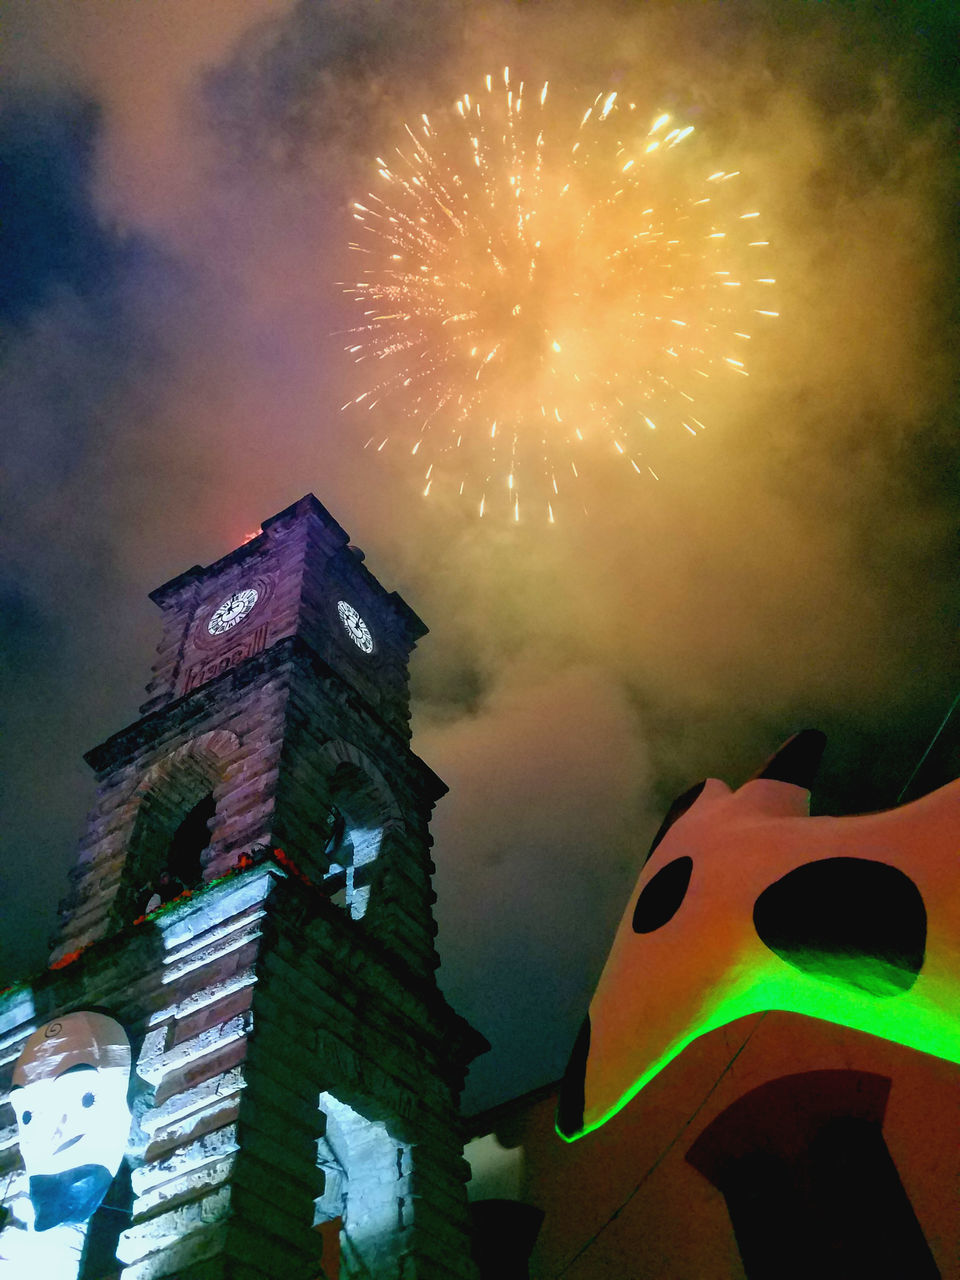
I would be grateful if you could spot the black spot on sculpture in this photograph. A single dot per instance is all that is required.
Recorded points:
(661, 897)
(847, 920)
(570, 1106)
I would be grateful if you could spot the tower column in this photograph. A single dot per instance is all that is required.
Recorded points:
(252, 901)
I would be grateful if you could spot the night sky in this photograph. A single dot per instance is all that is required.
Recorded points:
(175, 182)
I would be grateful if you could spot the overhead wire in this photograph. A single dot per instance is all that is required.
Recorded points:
(932, 744)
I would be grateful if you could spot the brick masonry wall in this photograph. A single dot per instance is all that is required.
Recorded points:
(265, 738)
(227, 736)
(246, 1004)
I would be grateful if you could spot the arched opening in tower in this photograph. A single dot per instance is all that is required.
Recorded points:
(171, 837)
(355, 832)
(190, 842)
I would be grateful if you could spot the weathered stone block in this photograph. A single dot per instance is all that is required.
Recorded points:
(175, 1261)
(179, 1161)
(166, 1230)
(180, 1105)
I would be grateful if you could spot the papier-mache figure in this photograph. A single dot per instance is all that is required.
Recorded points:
(70, 1097)
(746, 904)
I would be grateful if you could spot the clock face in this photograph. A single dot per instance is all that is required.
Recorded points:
(355, 627)
(232, 610)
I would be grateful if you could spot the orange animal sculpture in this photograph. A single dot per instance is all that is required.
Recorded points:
(746, 903)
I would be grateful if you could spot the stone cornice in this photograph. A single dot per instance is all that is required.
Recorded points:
(124, 744)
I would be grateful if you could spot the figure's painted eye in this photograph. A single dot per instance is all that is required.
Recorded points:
(87, 1100)
(26, 1117)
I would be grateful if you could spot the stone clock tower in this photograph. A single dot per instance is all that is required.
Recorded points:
(252, 904)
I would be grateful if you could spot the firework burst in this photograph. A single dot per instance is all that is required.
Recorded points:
(543, 287)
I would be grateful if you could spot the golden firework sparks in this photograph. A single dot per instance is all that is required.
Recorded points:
(541, 287)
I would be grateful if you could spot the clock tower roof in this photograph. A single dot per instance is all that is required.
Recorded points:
(298, 579)
(333, 535)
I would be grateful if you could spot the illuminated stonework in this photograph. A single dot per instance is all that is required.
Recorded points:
(275, 972)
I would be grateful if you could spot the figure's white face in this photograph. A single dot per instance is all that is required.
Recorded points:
(70, 1098)
(78, 1118)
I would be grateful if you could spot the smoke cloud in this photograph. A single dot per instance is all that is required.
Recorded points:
(173, 371)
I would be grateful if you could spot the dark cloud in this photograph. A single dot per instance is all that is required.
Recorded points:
(49, 237)
(173, 374)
